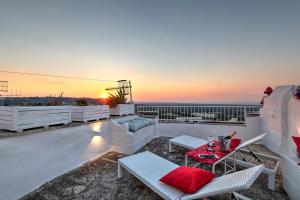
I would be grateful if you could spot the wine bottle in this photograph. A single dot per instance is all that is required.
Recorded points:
(229, 137)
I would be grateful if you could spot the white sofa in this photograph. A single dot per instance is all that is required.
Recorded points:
(128, 142)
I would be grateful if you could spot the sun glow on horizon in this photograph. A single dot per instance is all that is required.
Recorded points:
(104, 95)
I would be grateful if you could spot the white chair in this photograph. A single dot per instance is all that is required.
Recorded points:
(149, 168)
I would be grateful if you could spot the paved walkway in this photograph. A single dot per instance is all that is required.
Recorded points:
(30, 160)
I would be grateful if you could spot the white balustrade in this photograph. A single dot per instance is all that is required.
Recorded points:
(199, 113)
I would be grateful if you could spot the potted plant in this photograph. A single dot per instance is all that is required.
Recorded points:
(35, 114)
(118, 104)
(82, 112)
(297, 93)
(268, 91)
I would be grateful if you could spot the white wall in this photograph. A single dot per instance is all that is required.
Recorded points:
(274, 117)
(293, 124)
(281, 119)
(28, 161)
(252, 129)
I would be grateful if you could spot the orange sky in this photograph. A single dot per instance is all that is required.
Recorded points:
(144, 88)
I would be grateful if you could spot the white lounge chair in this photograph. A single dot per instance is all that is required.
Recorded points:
(233, 153)
(149, 168)
(184, 141)
(247, 147)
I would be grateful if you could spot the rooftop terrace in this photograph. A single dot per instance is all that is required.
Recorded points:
(79, 161)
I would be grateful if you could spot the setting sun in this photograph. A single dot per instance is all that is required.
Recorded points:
(104, 96)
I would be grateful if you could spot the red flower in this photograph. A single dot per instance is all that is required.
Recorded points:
(268, 91)
(297, 141)
(297, 93)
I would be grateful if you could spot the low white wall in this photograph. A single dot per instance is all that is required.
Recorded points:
(19, 118)
(274, 117)
(281, 119)
(293, 125)
(28, 161)
(252, 129)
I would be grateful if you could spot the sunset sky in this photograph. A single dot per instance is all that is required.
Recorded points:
(189, 51)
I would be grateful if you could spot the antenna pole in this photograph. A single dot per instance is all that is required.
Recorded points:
(130, 91)
(124, 86)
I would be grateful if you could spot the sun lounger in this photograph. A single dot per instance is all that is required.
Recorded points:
(224, 159)
(149, 168)
(245, 147)
(184, 141)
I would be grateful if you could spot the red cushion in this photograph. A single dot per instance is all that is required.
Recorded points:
(188, 179)
(234, 143)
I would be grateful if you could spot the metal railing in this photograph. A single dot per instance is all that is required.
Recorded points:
(235, 114)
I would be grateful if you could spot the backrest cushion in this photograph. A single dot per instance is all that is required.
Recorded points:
(138, 123)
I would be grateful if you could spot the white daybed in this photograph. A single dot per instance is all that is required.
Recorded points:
(126, 141)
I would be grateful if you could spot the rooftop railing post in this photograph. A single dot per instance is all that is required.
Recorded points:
(245, 113)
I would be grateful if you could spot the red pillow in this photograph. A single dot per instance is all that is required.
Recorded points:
(188, 179)
(234, 143)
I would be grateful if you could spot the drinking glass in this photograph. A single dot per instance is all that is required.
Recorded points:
(210, 139)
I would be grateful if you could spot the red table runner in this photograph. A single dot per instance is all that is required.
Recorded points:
(194, 154)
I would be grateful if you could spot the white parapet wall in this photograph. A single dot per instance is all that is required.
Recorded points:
(281, 119)
(122, 109)
(17, 118)
(244, 132)
(274, 117)
(87, 113)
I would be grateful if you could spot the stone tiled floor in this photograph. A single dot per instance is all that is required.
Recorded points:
(98, 180)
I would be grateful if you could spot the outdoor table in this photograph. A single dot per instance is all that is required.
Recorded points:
(194, 154)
